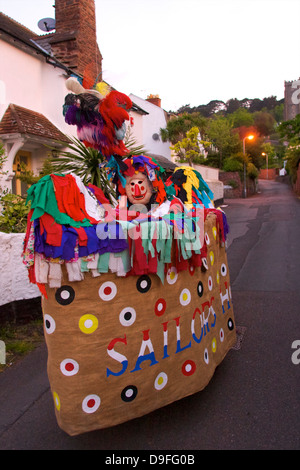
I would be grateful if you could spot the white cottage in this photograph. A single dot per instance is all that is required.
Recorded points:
(34, 69)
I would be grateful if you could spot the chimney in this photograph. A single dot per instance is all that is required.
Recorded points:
(154, 99)
(74, 42)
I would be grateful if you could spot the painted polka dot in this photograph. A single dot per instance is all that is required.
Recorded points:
(161, 381)
(221, 335)
(172, 275)
(192, 270)
(211, 257)
(56, 401)
(223, 269)
(91, 403)
(107, 291)
(206, 357)
(160, 307)
(185, 297)
(230, 324)
(207, 240)
(65, 295)
(214, 345)
(204, 263)
(200, 289)
(49, 323)
(214, 231)
(143, 284)
(188, 368)
(129, 393)
(127, 316)
(69, 367)
(210, 283)
(218, 277)
(88, 323)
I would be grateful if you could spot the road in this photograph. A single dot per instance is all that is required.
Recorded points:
(253, 399)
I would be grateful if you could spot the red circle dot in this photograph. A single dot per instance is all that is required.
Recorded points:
(107, 290)
(69, 366)
(188, 368)
(160, 307)
(91, 403)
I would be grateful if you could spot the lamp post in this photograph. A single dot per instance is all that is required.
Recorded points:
(266, 155)
(249, 137)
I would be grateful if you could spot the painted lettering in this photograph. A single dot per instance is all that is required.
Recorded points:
(117, 356)
(146, 343)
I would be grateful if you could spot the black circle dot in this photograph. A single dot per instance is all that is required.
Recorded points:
(143, 283)
(127, 316)
(200, 289)
(65, 295)
(129, 393)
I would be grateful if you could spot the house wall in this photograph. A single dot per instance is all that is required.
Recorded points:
(151, 124)
(30, 82)
(135, 126)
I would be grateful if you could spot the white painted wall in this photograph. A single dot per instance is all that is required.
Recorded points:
(28, 81)
(14, 282)
(151, 124)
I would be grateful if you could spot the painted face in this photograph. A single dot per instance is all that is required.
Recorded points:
(138, 189)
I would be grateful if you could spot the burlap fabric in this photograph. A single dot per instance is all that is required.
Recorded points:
(119, 348)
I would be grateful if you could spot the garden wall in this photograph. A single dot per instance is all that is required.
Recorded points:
(233, 185)
(14, 281)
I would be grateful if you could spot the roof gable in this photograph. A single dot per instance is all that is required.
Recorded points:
(21, 120)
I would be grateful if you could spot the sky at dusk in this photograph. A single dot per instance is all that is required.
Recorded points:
(189, 51)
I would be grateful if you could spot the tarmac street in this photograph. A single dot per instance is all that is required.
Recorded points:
(253, 399)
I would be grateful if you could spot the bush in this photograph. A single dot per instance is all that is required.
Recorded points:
(233, 184)
(14, 214)
(252, 171)
(231, 164)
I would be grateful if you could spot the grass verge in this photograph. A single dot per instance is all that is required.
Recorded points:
(19, 340)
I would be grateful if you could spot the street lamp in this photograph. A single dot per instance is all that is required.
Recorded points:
(266, 155)
(249, 137)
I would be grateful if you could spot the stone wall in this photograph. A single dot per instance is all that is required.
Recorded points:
(233, 185)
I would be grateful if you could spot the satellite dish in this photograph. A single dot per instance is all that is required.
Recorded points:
(155, 137)
(46, 24)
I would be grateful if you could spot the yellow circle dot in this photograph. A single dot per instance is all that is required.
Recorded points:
(214, 230)
(212, 257)
(88, 323)
(56, 401)
(172, 275)
(184, 296)
(218, 277)
(214, 345)
(160, 380)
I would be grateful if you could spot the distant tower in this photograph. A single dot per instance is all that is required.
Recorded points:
(75, 42)
(291, 99)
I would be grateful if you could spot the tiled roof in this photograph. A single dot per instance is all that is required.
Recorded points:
(16, 30)
(25, 121)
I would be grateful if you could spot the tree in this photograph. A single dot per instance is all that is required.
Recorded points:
(177, 127)
(241, 117)
(290, 131)
(219, 132)
(188, 149)
(264, 123)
